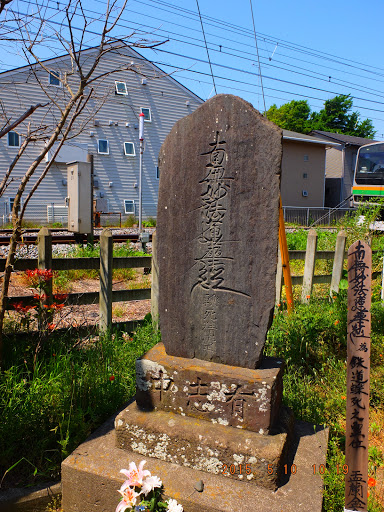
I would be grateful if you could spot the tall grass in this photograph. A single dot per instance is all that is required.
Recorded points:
(312, 341)
(49, 408)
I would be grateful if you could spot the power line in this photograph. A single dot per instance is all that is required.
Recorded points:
(258, 57)
(236, 28)
(244, 71)
(350, 85)
(206, 47)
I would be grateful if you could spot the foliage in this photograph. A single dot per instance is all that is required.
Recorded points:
(334, 117)
(312, 342)
(149, 223)
(50, 406)
(63, 114)
(130, 221)
(291, 116)
(123, 250)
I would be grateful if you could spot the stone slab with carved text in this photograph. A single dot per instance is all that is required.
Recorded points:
(217, 230)
(227, 395)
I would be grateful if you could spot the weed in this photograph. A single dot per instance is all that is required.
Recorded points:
(130, 221)
(149, 223)
(312, 341)
(48, 407)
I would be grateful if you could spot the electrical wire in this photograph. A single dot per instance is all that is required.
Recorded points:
(258, 57)
(206, 47)
(255, 74)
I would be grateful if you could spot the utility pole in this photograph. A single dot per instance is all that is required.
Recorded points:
(141, 139)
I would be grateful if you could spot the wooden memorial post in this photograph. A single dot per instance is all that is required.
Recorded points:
(358, 366)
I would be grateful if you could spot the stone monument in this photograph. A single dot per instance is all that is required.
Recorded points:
(218, 218)
(206, 397)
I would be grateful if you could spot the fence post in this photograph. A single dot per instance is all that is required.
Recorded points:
(279, 277)
(155, 284)
(338, 262)
(382, 282)
(309, 267)
(44, 262)
(105, 296)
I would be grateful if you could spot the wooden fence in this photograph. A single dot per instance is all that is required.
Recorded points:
(310, 256)
(106, 263)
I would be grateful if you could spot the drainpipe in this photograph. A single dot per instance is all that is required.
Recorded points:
(325, 175)
(342, 175)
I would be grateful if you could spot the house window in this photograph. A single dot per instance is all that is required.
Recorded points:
(11, 200)
(54, 78)
(306, 158)
(129, 149)
(305, 175)
(147, 114)
(157, 172)
(103, 147)
(121, 88)
(129, 207)
(13, 139)
(305, 193)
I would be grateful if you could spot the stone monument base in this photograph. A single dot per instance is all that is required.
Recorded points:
(199, 444)
(218, 393)
(91, 476)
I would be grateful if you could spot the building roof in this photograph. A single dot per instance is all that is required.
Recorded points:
(301, 137)
(91, 49)
(348, 140)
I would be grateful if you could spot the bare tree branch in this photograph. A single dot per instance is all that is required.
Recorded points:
(22, 118)
(67, 109)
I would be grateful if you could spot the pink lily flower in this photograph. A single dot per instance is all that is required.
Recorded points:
(134, 475)
(129, 498)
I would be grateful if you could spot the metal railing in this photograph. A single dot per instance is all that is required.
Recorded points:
(306, 216)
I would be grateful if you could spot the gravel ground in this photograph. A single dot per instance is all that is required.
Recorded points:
(81, 315)
(30, 251)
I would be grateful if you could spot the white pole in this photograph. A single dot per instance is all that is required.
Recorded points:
(141, 139)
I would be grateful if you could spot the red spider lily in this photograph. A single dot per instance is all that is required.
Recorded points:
(51, 327)
(18, 306)
(44, 274)
(112, 378)
(371, 482)
(60, 296)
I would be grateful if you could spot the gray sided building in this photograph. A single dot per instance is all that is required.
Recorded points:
(108, 129)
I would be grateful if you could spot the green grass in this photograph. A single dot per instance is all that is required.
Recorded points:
(50, 407)
(312, 341)
(63, 278)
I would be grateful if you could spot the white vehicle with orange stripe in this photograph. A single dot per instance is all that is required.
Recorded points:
(368, 183)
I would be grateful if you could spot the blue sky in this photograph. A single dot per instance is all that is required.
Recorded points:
(308, 50)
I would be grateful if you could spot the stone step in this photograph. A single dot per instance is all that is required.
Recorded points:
(210, 447)
(90, 478)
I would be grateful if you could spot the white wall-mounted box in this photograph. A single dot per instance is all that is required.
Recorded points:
(79, 197)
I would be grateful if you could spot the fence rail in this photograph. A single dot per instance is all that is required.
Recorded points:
(305, 216)
(310, 256)
(106, 263)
